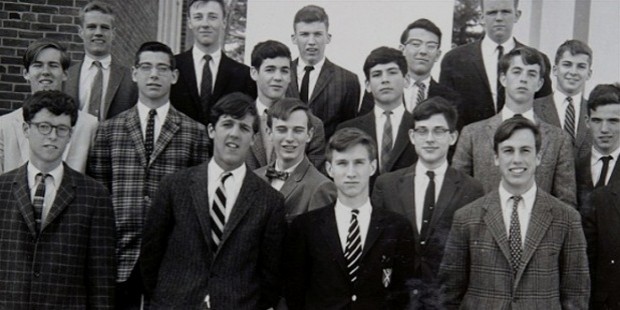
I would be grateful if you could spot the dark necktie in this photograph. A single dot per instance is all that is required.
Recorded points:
(149, 141)
(569, 120)
(272, 173)
(429, 204)
(38, 200)
(96, 91)
(603, 178)
(515, 235)
(353, 250)
(305, 84)
(386, 143)
(205, 85)
(421, 92)
(218, 211)
(500, 89)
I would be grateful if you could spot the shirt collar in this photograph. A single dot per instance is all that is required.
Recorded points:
(596, 155)
(365, 208)
(507, 113)
(440, 171)
(289, 170)
(105, 62)
(198, 55)
(489, 46)
(411, 82)
(397, 112)
(528, 197)
(302, 65)
(261, 107)
(143, 110)
(215, 171)
(56, 173)
(560, 99)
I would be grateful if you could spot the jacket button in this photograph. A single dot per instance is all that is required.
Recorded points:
(353, 298)
(147, 199)
(36, 274)
(613, 261)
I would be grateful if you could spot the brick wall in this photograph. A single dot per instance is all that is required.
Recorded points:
(24, 21)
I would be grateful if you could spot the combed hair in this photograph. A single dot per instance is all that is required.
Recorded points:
(310, 14)
(236, 105)
(154, 46)
(35, 48)
(508, 128)
(528, 55)
(98, 6)
(421, 23)
(385, 55)
(349, 137)
(574, 47)
(436, 105)
(283, 108)
(268, 50)
(603, 94)
(55, 101)
(220, 2)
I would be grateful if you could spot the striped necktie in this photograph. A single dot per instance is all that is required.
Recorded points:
(569, 120)
(386, 143)
(218, 211)
(353, 250)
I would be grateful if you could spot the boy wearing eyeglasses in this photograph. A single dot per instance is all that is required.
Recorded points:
(428, 193)
(134, 150)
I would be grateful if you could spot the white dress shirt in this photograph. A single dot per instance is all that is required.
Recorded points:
(561, 104)
(490, 61)
(596, 164)
(51, 186)
(380, 118)
(314, 75)
(160, 118)
(524, 209)
(87, 76)
(232, 185)
(507, 113)
(411, 92)
(343, 221)
(421, 181)
(199, 63)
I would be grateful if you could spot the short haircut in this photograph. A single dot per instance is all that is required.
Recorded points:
(55, 101)
(310, 14)
(603, 94)
(283, 108)
(516, 2)
(268, 50)
(385, 55)
(574, 47)
(156, 47)
(528, 55)
(349, 137)
(35, 48)
(220, 2)
(436, 105)
(421, 23)
(98, 6)
(508, 128)
(236, 105)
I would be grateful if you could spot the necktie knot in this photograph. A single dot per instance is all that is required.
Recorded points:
(516, 199)
(40, 177)
(430, 174)
(388, 113)
(97, 64)
(207, 59)
(606, 159)
(308, 68)
(152, 112)
(355, 212)
(420, 85)
(225, 176)
(569, 100)
(272, 173)
(500, 51)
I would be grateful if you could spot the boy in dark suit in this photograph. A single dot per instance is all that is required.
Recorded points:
(349, 255)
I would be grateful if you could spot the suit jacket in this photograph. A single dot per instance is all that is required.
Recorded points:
(306, 189)
(15, 149)
(316, 275)
(69, 264)
(545, 109)
(462, 69)
(395, 192)
(179, 263)
(556, 173)
(231, 77)
(583, 174)
(476, 272)
(118, 161)
(335, 97)
(122, 92)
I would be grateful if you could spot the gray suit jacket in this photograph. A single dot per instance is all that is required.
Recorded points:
(556, 174)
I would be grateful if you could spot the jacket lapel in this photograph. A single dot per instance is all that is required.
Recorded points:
(64, 195)
(293, 87)
(114, 82)
(407, 188)
(187, 72)
(200, 199)
(258, 149)
(544, 108)
(583, 134)
(21, 140)
(293, 180)
(451, 185)
(325, 77)
(540, 220)
(374, 231)
(21, 193)
(478, 62)
(329, 229)
(401, 142)
(495, 222)
(168, 129)
(72, 85)
(241, 206)
(132, 125)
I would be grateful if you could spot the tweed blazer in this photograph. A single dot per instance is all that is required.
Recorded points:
(70, 263)
(179, 262)
(306, 189)
(476, 272)
(335, 97)
(474, 155)
(15, 149)
(121, 94)
(118, 161)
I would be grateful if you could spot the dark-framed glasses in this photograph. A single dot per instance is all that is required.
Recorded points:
(45, 128)
(147, 68)
(438, 132)
(430, 46)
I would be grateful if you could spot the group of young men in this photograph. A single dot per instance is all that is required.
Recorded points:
(213, 185)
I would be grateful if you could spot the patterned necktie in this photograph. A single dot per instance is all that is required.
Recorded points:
(569, 121)
(429, 203)
(421, 93)
(515, 235)
(149, 142)
(39, 198)
(272, 173)
(386, 143)
(603, 177)
(353, 250)
(305, 84)
(96, 91)
(500, 89)
(205, 84)
(218, 211)
(267, 143)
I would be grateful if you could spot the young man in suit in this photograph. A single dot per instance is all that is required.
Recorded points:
(385, 70)
(521, 72)
(205, 72)
(472, 69)
(303, 186)
(100, 85)
(213, 236)
(350, 254)
(567, 107)
(517, 247)
(428, 192)
(331, 92)
(56, 224)
(271, 70)
(45, 68)
(134, 150)
(420, 42)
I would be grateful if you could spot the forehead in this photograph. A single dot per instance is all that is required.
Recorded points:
(310, 27)
(44, 115)
(297, 118)
(247, 119)
(517, 62)
(48, 54)
(608, 111)
(436, 120)
(98, 17)
(492, 5)
(579, 58)
(421, 34)
(206, 8)
(520, 138)
(278, 62)
(355, 152)
(154, 58)
(385, 67)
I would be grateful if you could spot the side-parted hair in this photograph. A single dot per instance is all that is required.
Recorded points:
(528, 55)
(603, 94)
(283, 108)
(349, 137)
(35, 48)
(574, 47)
(385, 55)
(98, 6)
(435, 105)
(516, 2)
(236, 105)
(508, 128)
(220, 2)
(55, 101)
(421, 23)
(310, 14)
(268, 50)
(158, 47)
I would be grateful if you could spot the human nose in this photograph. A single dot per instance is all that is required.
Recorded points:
(604, 126)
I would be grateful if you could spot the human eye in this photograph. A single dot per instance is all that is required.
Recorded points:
(44, 127)
(421, 131)
(163, 69)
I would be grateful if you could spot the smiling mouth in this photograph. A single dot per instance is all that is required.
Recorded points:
(232, 145)
(517, 170)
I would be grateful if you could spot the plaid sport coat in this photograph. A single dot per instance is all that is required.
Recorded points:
(118, 160)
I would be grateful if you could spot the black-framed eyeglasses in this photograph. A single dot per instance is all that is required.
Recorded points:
(147, 68)
(438, 132)
(45, 128)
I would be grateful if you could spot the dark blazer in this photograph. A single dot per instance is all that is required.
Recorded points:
(316, 275)
(179, 263)
(118, 161)
(476, 272)
(70, 264)
(545, 109)
(583, 173)
(395, 191)
(122, 92)
(231, 77)
(462, 69)
(335, 97)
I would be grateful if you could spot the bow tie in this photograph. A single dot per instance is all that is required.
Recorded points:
(272, 173)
